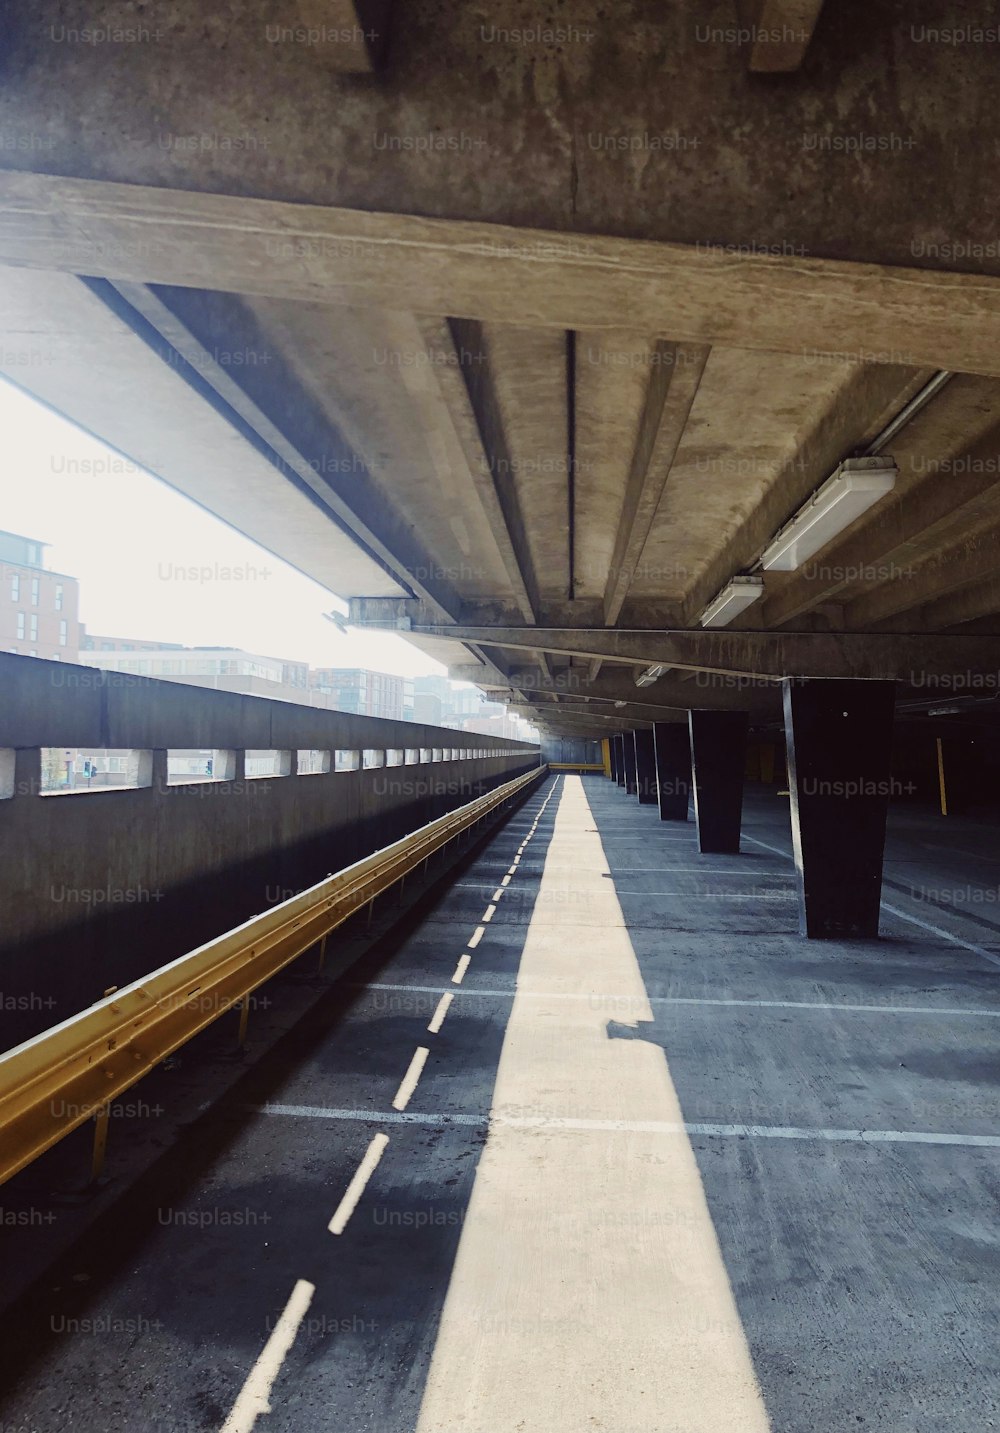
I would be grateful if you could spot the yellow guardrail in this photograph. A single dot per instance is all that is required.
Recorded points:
(65, 1076)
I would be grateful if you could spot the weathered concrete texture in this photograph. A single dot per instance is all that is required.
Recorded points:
(380, 1286)
(643, 121)
(99, 887)
(858, 1277)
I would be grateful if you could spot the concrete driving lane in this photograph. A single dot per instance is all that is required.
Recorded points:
(596, 1142)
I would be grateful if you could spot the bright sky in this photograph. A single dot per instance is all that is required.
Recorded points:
(124, 534)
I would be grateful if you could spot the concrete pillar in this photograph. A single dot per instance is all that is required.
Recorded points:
(645, 768)
(718, 758)
(672, 745)
(839, 738)
(613, 750)
(628, 754)
(620, 744)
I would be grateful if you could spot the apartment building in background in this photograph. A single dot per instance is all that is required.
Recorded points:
(226, 669)
(39, 609)
(355, 689)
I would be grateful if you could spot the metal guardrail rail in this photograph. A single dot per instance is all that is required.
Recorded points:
(65, 1076)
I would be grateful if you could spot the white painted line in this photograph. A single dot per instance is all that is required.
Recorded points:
(619, 1001)
(511, 870)
(716, 896)
(696, 871)
(785, 855)
(437, 1019)
(506, 879)
(476, 936)
(914, 920)
(391, 1117)
(488, 913)
(937, 930)
(665, 1127)
(255, 1395)
(357, 1186)
(497, 894)
(460, 969)
(411, 1079)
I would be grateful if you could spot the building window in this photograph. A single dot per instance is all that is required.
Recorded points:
(34, 592)
(62, 633)
(20, 625)
(34, 626)
(59, 596)
(15, 587)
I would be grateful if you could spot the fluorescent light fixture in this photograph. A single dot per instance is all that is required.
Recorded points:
(649, 676)
(856, 485)
(734, 598)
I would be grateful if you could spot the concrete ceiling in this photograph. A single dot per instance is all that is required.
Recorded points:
(528, 345)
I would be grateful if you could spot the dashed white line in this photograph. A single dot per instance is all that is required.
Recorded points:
(476, 936)
(255, 1395)
(410, 1080)
(460, 969)
(437, 1019)
(488, 914)
(356, 1188)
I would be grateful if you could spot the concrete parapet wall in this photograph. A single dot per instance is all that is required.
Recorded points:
(99, 886)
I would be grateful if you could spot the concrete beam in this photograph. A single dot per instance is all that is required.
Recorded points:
(973, 561)
(771, 655)
(673, 385)
(868, 397)
(689, 294)
(899, 531)
(971, 604)
(670, 694)
(457, 407)
(781, 32)
(351, 34)
(270, 406)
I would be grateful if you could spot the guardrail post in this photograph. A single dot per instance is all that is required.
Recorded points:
(244, 1009)
(100, 1142)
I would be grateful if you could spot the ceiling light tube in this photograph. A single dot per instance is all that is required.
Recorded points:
(734, 598)
(649, 676)
(856, 486)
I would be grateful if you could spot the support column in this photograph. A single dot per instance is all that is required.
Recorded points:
(613, 751)
(672, 745)
(839, 737)
(645, 768)
(718, 759)
(620, 743)
(628, 752)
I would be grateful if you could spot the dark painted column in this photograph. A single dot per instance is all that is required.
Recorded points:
(628, 755)
(613, 753)
(620, 745)
(839, 737)
(672, 744)
(718, 759)
(645, 768)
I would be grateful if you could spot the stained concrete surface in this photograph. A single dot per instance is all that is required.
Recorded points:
(864, 1276)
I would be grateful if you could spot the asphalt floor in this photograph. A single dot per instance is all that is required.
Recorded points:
(590, 1141)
